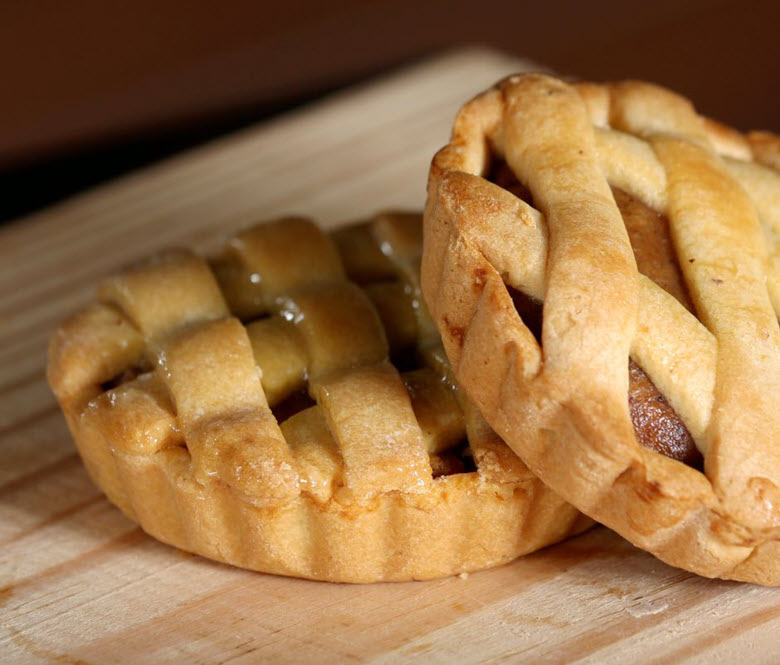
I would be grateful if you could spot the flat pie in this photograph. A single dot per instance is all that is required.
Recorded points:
(604, 268)
(247, 409)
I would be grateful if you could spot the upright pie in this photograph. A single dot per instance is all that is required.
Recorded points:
(603, 265)
(247, 409)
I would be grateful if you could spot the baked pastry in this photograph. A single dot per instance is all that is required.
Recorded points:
(246, 410)
(650, 234)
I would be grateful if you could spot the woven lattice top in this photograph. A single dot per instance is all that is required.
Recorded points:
(271, 366)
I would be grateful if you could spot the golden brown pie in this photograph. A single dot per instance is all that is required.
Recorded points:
(247, 410)
(603, 265)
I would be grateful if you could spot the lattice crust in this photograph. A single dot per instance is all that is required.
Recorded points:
(246, 409)
(712, 347)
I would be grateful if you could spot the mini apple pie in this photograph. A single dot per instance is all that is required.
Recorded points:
(603, 266)
(247, 409)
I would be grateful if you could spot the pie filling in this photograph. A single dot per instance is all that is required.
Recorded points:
(450, 462)
(656, 424)
(127, 375)
(294, 403)
(500, 174)
(651, 240)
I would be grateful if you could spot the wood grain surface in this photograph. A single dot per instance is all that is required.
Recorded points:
(79, 583)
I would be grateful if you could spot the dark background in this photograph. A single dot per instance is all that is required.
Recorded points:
(92, 88)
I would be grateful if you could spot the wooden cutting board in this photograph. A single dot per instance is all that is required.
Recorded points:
(79, 583)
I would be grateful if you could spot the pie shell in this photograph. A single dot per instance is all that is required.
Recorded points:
(160, 386)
